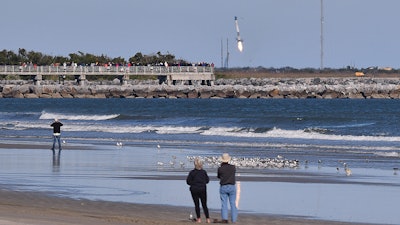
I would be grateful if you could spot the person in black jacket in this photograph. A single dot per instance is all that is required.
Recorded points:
(226, 174)
(198, 180)
(56, 134)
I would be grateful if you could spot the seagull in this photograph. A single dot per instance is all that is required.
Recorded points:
(348, 171)
(158, 146)
(119, 143)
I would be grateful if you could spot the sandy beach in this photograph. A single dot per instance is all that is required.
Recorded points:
(26, 208)
(44, 208)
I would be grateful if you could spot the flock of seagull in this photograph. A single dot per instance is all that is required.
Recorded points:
(246, 162)
(278, 162)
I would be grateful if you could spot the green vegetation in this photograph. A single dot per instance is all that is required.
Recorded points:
(8, 57)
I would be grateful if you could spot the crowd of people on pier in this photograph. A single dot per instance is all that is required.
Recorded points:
(108, 66)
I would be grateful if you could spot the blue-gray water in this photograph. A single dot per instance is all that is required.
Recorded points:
(321, 134)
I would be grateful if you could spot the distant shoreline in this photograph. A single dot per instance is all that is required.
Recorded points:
(288, 88)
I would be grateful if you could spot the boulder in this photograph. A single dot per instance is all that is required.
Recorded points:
(243, 93)
(116, 81)
(140, 93)
(30, 95)
(274, 93)
(355, 95)
(380, 95)
(206, 93)
(66, 95)
(80, 96)
(18, 94)
(37, 90)
(56, 95)
(223, 88)
(44, 95)
(48, 89)
(8, 91)
(99, 95)
(193, 94)
(24, 89)
(222, 94)
(395, 94)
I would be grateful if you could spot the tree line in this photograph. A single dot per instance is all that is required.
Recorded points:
(9, 57)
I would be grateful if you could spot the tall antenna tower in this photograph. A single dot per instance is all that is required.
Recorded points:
(227, 54)
(222, 54)
(322, 35)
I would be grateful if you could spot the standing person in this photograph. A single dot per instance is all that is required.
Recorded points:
(226, 174)
(198, 180)
(56, 134)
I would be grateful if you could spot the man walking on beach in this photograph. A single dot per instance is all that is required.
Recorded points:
(56, 134)
(227, 190)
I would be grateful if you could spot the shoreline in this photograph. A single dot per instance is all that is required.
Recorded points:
(32, 208)
(269, 88)
(45, 206)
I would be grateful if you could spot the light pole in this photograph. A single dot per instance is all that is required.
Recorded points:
(322, 36)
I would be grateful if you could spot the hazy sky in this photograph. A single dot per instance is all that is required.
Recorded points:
(276, 33)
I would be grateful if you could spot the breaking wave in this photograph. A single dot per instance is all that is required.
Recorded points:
(82, 126)
(388, 154)
(292, 134)
(51, 116)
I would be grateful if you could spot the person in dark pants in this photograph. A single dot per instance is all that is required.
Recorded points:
(56, 134)
(226, 175)
(198, 180)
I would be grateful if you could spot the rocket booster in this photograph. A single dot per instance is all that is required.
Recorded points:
(237, 29)
(238, 38)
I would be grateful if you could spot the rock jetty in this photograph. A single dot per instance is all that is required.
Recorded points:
(324, 88)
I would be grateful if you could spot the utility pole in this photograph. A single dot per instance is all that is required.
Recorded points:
(322, 35)
(222, 54)
(227, 54)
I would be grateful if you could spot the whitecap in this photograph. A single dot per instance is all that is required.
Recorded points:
(388, 154)
(61, 116)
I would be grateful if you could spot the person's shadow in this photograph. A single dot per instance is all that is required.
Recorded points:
(56, 161)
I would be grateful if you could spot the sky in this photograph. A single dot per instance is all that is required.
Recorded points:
(275, 33)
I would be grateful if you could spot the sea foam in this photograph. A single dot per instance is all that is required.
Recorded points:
(47, 116)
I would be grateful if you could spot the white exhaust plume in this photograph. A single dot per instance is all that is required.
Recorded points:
(240, 46)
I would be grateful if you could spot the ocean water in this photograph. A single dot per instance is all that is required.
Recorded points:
(157, 135)
(307, 129)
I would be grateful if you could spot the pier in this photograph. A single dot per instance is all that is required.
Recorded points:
(170, 75)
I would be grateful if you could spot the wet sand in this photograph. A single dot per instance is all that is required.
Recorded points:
(45, 207)
(17, 208)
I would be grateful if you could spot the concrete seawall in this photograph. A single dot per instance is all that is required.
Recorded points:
(325, 88)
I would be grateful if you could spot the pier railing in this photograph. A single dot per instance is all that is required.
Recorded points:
(169, 74)
(101, 70)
